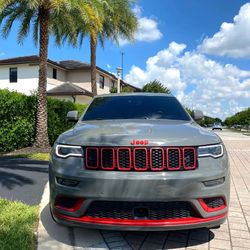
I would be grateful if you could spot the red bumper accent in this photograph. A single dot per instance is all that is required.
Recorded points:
(209, 209)
(131, 223)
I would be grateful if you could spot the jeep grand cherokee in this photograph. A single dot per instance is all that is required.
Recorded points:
(138, 162)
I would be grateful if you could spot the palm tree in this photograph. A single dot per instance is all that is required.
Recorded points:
(119, 22)
(47, 17)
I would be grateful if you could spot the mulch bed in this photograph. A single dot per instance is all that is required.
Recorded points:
(29, 150)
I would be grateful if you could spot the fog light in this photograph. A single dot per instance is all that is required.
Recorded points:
(70, 204)
(214, 182)
(212, 204)
(67, 182)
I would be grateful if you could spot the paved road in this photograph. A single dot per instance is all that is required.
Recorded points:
(233, 234)
(22, 179)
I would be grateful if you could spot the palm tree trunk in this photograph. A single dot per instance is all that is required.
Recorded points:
(93, 64)
(42, 140)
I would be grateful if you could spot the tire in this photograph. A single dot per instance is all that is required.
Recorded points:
(52, 216)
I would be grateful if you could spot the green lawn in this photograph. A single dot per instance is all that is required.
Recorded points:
(34, 156)
(17, 225)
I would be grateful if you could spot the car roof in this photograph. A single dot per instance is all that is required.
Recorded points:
(136, 94)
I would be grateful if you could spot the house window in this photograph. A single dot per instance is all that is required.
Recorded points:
(113, 84)
(13, 75)
(55, 73)
(101, 82)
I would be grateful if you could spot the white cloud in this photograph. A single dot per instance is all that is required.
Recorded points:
(233, 39)
(148, 30)
(197, 81)
(2, 53)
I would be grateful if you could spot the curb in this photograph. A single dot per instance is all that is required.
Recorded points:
(47, 228)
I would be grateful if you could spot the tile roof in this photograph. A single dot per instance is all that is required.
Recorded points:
(18, 60)
(69, 89)
(73, 64)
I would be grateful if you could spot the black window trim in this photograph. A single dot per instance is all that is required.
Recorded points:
(12, 78)
(54, 73)
(101, 81)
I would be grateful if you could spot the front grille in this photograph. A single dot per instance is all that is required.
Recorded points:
(148, 210)
(141, 158)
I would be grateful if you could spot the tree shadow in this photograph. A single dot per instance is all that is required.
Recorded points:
(10, 180)
(13, 163)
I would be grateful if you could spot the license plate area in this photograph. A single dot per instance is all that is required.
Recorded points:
(141, 213)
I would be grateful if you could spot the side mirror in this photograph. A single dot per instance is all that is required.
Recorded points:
(72, 116)
(197, 115)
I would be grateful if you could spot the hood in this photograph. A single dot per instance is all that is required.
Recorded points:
(123, 132)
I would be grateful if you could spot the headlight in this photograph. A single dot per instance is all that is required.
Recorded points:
(65, 151)
(214, 151)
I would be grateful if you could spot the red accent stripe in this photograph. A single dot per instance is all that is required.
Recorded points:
(210, 209)
(126, 222)
(76, 206)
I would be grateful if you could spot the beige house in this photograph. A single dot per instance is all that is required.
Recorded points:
(69, 80)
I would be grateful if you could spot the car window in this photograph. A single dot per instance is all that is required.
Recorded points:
(135, 107)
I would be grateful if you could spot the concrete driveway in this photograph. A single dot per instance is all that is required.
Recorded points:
(233, 234)
(22, 179)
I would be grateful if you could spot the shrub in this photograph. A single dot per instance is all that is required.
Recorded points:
(17, 119)
(155, 87)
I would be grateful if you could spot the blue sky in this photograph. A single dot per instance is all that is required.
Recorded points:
(199, 49)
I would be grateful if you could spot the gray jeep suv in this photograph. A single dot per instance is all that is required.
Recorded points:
(138, 162)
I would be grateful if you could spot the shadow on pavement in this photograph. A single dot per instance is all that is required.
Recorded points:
(25, 167)
(10, 180)
(64, 235)
(54, 230)
(99, 239)
(22, 179)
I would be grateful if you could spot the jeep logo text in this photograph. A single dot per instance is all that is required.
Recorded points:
(139, 142)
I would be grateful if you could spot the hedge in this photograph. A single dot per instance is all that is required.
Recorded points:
(17, 119)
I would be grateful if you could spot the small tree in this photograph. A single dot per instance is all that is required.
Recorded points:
(125, 89)
(155, 87)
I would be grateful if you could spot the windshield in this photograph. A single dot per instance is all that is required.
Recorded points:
(135, 107)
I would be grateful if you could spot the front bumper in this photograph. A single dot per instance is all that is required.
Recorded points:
(139, 186)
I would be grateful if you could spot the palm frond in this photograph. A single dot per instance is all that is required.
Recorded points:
(13, 13)
(25, 24)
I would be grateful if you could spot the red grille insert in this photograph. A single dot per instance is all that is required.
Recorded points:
(107, 158)
(189, 154)
(173, 158)
(92, 158)
(124, 159)
(157, 159)
(141, 158)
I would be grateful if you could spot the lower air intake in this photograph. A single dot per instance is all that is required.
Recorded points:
(149, 210)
